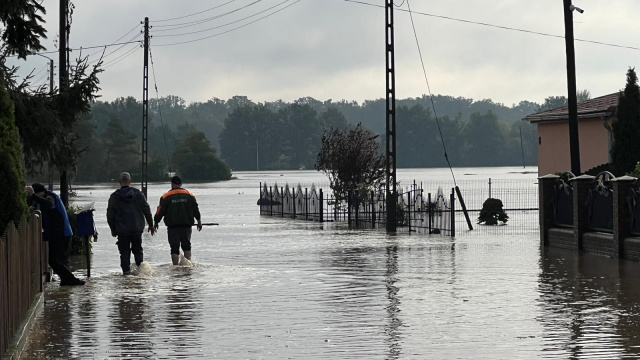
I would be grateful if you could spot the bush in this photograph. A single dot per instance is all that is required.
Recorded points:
(492, 212)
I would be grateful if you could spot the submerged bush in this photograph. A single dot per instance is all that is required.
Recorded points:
(492, 212)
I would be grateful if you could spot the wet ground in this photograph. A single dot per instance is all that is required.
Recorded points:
(264, 288)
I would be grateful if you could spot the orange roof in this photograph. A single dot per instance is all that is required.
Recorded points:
(600, 106)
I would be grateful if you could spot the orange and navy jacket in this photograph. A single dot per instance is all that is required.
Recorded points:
(178, 207)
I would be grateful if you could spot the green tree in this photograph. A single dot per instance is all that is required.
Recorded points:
(625, 151)
(195, 159)
(302, 135)
(23, 28)
(12, 196)
(251, 138)
(45, 121)
(553, 102)
(485, 140)
(351, 160)
(121, 151)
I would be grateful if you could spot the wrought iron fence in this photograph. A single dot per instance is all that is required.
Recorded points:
(423, 207)
(633, 201)
(600, 203)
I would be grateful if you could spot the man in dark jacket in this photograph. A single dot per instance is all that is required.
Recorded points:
(57, 231)
(178, 207)
(126, 214)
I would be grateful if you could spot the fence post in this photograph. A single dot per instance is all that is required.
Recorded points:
(489, 187)
(306, 203)
(453, 213)
(621, 213)
(349, 207)
(260, 201)
(281, 201)
(357, 208)
(580, 220)
(429, 214)
(270, 201)
(321, 204)
(546, 193)
(373, 211)
(293, 195)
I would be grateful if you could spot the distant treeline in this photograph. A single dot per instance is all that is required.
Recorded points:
(279, 135)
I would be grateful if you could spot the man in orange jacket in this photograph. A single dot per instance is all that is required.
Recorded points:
(179, 209)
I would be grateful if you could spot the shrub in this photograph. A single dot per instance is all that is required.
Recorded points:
(492, 212)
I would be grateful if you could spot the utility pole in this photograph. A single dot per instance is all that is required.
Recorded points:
(64, 79)
(572, 100)
(51, 95)
(392, 195)
(145, 105)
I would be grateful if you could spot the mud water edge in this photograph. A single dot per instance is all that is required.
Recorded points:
(268, 288)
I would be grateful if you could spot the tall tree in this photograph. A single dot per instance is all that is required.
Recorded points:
(351, 160)
(300, 124)
(46, 135)
(485, 140)
(12, 197)
(625, 152)
(195, 159)
(121, 149)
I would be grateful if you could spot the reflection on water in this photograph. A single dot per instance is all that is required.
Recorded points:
(589, 305)
(265, 288)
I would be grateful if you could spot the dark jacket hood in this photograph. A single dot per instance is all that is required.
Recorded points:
(126, 194)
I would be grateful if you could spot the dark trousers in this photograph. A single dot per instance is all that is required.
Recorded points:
(59, 250)
(128, 244)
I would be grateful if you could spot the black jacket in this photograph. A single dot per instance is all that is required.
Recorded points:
(127, 211)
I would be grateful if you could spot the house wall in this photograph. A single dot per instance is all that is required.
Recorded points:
(553, 145)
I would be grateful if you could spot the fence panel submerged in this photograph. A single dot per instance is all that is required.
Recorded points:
(429, 208)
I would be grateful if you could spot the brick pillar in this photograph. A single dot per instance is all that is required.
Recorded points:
(580, 210)
(621, 213)
(546, 193)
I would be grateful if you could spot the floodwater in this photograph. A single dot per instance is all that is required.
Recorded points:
(269, 288)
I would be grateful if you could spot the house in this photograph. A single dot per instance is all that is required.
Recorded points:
(594, 135)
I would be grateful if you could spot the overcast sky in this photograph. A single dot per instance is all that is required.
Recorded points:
(335, 49)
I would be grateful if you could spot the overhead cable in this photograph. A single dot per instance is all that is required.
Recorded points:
(194, 14)
(500, 26)
(120, 57)
(120, 38)
(223, 25)
(433, 106)
(155, 84)
(201, 21)
(230, 30)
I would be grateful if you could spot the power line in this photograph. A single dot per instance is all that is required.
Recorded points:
(83, 48)
(230, 30)
(120, 38)
(118, 49)
(155, 84)
(121, 57)
(227, 24)
(194, 14)
(433, 106)
(201, 21)
(501, 27)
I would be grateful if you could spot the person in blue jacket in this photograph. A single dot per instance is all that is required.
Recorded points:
(57, 231)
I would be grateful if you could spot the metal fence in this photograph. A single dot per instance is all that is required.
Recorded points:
(23, 261)
(423, 207)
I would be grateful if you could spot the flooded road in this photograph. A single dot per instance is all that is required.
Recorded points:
(265, 288)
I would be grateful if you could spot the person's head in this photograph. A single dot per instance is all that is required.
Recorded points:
(38, 189)
(125, 179)
(176, 182)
